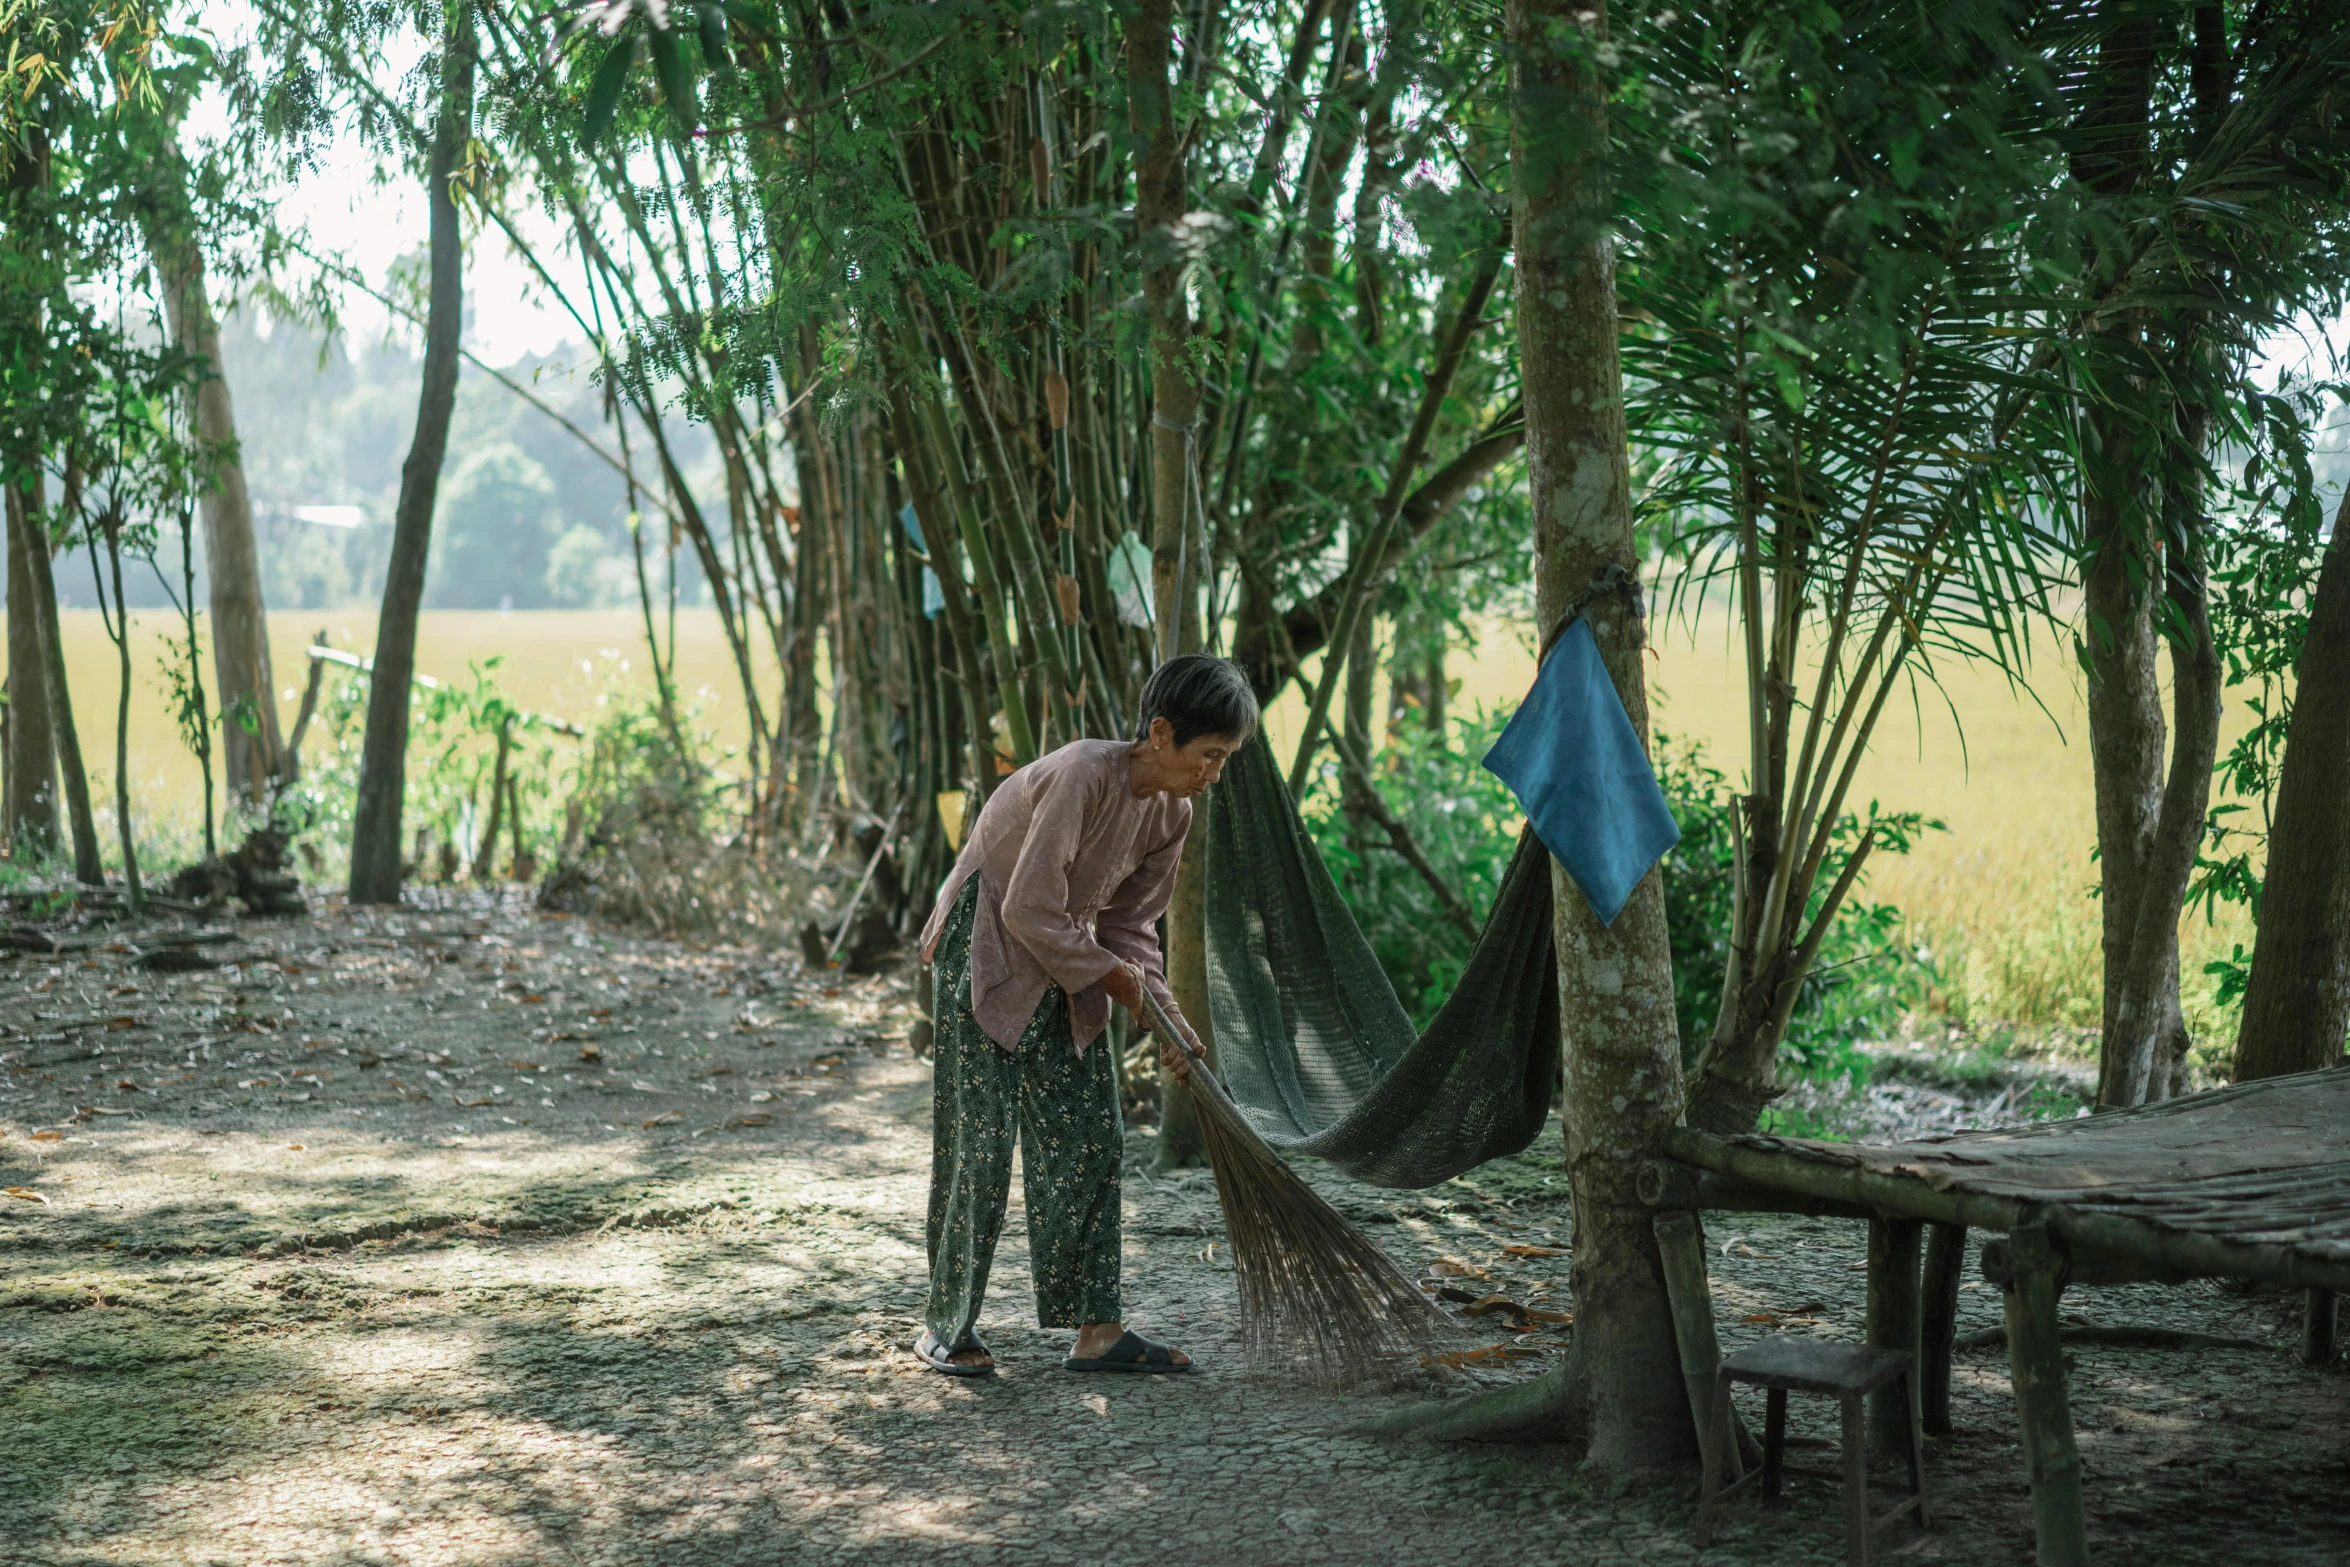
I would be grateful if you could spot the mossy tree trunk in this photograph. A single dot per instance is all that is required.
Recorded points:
(1623, 1082)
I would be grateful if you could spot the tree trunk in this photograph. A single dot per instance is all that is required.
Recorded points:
(252, 756)
(383, 757)
(2142, 1053)
(2121, 566)
(1623, 1048)
(88, 868)
(2298, 1007)
(30, 230)
(1160, 199)
(32, 742)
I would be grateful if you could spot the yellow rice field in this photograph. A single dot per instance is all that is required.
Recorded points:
(2004, 899)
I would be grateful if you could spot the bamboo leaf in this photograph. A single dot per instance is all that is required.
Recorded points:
(603, 94)
(677, 84)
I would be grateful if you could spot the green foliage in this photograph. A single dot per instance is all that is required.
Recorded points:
(2266, 544)
(1866, 977)
(1467, 824)
(452, 756)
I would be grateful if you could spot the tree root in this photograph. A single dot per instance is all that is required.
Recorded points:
(1553, 1407)
(2131, 1336)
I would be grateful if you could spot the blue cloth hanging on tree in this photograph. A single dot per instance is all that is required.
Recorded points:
(1573, 759)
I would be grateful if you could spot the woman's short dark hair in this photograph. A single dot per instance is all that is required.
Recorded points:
(1198, 694)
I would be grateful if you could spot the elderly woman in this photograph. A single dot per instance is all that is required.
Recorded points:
(1051, 915)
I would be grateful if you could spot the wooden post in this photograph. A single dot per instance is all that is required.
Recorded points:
(1893, 1324)
(1856, 1474)
(1681, 1247)
(1938, 1330)
(2317, 1328)
(2036, 1357)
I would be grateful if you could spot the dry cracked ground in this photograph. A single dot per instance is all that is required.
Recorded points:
(472, 1235)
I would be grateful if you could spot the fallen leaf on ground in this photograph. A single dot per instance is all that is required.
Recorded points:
(293, 1147)
(1491, 1355)
(591, 1053)
(26, 1194)
(762, 1097)
(1533, 1251)
(1743, 1250)
(755, 1118)
(474, 1104)
(1455, 1268)
(665, 1120)
(48, 1137)
(1520, 1317)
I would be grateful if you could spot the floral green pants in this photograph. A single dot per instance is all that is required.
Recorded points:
(1064, 1108)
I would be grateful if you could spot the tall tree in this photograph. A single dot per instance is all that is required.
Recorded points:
(1161, 198)
(375, 822)
(252, 749)
(1623, 1047)
(2121, 584)
(2297, 1007)
(32, 744)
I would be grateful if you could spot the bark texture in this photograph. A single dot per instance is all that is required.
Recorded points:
(1160, 202)
(375, 824)
(2298, 1007)
(88, 868)
(1623, 1079)
(2144, 1049)
(2142, 831)
(252, 757)
(32, 744)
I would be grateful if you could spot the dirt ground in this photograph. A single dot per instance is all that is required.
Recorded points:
(472, 1235)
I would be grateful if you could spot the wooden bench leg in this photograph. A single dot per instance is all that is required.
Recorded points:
(1680, 1245)
(1716, 1447)
(1915, 1451)
(2036, 1358)
(1938, 1327)
(1856, 1481)
(1774, 1460)
(1892, 1319)
(2317, 1328)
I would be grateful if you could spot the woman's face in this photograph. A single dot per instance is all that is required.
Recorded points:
(1186, 771)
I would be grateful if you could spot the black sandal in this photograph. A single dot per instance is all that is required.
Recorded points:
(933, 1354)
(1132, 1352)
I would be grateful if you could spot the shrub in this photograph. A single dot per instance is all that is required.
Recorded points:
(1467, 825)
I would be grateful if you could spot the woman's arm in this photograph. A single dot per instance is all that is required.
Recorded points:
(1128, 927)
(1036, 896)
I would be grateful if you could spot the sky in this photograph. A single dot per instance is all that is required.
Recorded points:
(347, 213)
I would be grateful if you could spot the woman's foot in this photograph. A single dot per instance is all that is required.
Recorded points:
(1107, 1346)
(974, 1361)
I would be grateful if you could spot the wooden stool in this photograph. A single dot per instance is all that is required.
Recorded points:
(1847, 1373)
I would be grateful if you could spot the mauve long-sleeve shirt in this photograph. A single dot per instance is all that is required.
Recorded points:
(1074, 872)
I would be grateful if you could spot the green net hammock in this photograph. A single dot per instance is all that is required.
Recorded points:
(1313, 1044)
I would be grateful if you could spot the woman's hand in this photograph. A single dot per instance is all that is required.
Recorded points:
(1124, 983)
(1175, 1058)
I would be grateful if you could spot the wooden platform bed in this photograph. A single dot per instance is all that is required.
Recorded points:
(2247, 1182)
